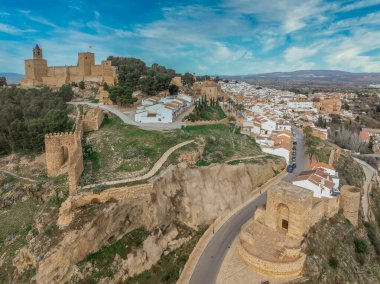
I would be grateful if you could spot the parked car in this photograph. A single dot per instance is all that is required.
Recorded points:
(290, 169)
(294, 165)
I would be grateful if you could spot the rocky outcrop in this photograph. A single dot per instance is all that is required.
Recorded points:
(201, 194)
(194, 196)
(23, 260)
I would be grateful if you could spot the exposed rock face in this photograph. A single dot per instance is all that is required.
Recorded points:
(23, 260)
(200, 195)
(194, 196)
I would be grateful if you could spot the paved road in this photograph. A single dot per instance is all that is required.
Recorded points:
(207, 269)
(301, 159)
(147, 126)
(369, 172)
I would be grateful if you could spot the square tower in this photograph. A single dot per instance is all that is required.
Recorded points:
(85, 61)
(36, 68)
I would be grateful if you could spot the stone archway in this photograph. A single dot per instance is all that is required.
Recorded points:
(282, 218)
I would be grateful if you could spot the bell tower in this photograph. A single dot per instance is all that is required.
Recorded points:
(37, 52)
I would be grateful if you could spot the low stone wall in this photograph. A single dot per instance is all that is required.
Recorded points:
(93, 119)
(274, 269)
(207, 122)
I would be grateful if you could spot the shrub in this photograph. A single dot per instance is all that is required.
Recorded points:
(81, 85)
(333, 262)
(360, 246)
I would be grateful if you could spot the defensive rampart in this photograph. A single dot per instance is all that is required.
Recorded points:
(64, 150)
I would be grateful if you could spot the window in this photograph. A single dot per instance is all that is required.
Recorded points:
(285, 224)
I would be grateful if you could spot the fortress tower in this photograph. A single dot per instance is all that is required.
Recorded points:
(38, 73)
(35, 68)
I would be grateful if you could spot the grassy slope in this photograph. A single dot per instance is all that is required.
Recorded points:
(120, 148)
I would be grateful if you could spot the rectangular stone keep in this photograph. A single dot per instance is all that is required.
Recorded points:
(293, 201)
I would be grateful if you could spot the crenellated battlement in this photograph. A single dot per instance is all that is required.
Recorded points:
(65, 148)
(59, 135)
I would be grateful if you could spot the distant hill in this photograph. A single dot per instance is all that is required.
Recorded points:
(12, 78)
(316, 79)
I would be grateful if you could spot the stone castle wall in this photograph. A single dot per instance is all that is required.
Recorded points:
(38, 73)
(93, 119)
(64, 150)
(274, 269)
(299, 207)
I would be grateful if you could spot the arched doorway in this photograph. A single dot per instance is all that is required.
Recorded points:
(282, 218)
(65, 154)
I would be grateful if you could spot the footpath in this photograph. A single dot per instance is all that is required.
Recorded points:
(149, 174)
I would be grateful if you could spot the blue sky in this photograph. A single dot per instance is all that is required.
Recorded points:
(205, 37)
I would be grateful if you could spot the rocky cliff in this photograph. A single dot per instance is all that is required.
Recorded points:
(191, 195)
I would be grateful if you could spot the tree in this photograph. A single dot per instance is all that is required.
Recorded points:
(321, 122)
(307, 131)
(188, 79)
(157, 79)
(173, 90)
(3, 81)
(27, 115)
(66, 92)
(81, 85)
(122, 95)
(345, 106)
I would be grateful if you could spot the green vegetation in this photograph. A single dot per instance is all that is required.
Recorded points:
(207, 110)
(188, 79)
(333, 262)
(133, 74)
(103, 258)
(321, 122)
(130, 70)
(169, 267)
(349, 171)
(27, 115)
(312, 143)
(81, 85)
(16, 222)
(133, 149)
(3, 81)
(122, 95)
(336, 253)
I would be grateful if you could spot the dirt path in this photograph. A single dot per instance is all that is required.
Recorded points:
(17, 176)
(369, 174)
(149, 174)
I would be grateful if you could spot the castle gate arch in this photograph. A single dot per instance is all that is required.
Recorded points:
(282, 217)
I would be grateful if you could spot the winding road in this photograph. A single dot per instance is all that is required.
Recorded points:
(127, 120)
(208, 265)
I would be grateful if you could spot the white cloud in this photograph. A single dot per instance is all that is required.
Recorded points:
(8, 29)
(359, 4)
(37, 19)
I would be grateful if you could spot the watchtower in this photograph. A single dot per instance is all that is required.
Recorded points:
(37, 52)
(36, 68)
(85, 62)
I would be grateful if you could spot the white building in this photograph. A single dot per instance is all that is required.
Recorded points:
(300, 104)
(164, 110)
(318, 181)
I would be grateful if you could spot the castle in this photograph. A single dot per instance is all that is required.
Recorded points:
(37, 71)
(270, 243)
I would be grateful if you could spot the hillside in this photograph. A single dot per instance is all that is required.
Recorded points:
(312, 79)
(12, 78)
